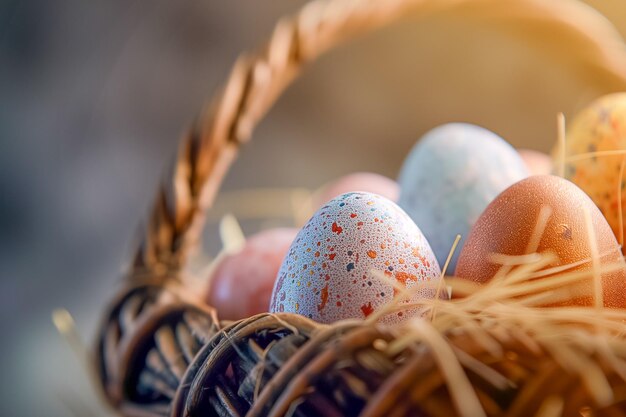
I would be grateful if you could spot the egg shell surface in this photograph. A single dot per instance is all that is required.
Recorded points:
(326, 274)
(506, 227)
(241, 283)
(358, 181)
(449, 178)
(600, 127)
(538, 163)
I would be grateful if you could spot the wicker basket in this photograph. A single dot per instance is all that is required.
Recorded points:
(163, 353)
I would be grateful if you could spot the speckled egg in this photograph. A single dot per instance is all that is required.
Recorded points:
(601, 127)
(327, 273)
(450, 176)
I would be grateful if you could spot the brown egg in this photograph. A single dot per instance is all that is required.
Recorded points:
(538, 163)
(358, 181)
(507, 224)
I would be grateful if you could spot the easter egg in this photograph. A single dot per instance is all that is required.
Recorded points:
(538, 163)
(508, 224)
(599, 128)
(450, 176)
(241, 283)
(358, 181)
(334, 266)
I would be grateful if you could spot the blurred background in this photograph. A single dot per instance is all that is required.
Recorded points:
(94, 95)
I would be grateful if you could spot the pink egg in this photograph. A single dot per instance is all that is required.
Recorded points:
(241, 284)
(358, 181)
(538, 163)
(333, 268)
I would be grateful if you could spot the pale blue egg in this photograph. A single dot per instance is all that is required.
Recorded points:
(449, 178)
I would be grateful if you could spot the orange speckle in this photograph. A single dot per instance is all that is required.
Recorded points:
(416, 252)
(353, 215)
(402, 278)
(323, 298)
(317, 254)
(371, 254)
(332, 256)
(383, 246)
(401, 260)
(424, 261)
(359, 224)
(337, 229)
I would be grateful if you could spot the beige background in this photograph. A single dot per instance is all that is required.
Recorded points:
(95, 94)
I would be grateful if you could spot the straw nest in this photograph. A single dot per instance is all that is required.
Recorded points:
(490, 351)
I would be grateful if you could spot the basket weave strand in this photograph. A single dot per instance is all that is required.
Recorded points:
(163, 354)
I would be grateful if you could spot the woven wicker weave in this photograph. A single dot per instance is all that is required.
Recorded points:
(162, 353)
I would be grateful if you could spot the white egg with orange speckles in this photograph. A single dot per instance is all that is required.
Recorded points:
(328, 275)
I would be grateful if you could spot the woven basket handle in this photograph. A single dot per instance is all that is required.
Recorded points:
(257, 79)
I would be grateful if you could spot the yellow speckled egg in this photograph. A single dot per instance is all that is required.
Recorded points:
(596, 130)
